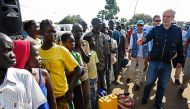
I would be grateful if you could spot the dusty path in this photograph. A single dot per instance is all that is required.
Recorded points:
(171, 99)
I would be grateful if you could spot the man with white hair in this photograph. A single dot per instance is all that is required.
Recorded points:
(167, 44)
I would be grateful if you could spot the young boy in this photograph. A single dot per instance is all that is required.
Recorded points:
(41, 76)
(55, 58)
(69, 42)
(92, 71)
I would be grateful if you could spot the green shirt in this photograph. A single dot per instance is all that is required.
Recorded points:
(78, 58)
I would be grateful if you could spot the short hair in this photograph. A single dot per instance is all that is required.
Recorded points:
(3, 38)
(65, 36)
(156, 16)
(82, 22)
(76, 25)
(172, 12)
(87, 38)
(45, 23)
(28, 24)
(94, 20)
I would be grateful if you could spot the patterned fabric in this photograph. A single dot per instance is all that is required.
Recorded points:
(92, 69)
(65, 105)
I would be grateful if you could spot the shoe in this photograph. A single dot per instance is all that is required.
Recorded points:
(143, 101)
(128, 80)
(159, 106)
(180, 91)
(177, 82)
(136, 87)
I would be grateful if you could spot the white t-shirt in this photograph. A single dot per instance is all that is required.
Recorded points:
(123, 32)
(113, 55)
(140, 52)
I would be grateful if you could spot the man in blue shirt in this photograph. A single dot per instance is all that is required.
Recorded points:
(167, 44)
(186, 76)
(137, 54)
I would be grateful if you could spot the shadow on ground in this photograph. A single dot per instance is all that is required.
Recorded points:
(171, 99)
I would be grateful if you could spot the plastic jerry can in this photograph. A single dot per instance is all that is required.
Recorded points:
(108, 102)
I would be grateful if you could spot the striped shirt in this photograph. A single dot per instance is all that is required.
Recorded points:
(20, 91)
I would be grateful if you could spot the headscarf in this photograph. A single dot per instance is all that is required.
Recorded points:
(22, 52)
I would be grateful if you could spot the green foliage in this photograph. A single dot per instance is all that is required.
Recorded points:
(146, 18)
(70, 19)
(110, 11)
(101, 14)
(123, 20)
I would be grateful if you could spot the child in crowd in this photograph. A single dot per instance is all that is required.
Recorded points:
(55, 58)
(69, 42)
(41, 76)
(92, 70)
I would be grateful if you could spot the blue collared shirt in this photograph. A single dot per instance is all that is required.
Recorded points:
(188, 37)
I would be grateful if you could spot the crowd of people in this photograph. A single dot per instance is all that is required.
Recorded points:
(45, 71)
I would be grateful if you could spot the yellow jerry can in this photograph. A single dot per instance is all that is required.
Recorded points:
(108, 102)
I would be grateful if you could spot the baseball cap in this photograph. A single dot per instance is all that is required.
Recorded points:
(140, 22)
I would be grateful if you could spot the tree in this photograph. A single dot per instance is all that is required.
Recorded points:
(123, 20)
(70, 19)
(146, 18)
(101, 14)
(110, 11)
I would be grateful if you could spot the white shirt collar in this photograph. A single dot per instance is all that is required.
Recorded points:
(10, 76)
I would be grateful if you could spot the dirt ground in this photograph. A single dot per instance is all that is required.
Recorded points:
(171, 98)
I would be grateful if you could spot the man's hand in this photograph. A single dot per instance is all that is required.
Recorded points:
(140, 41)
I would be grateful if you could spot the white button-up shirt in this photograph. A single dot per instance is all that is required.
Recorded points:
(20, 91)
